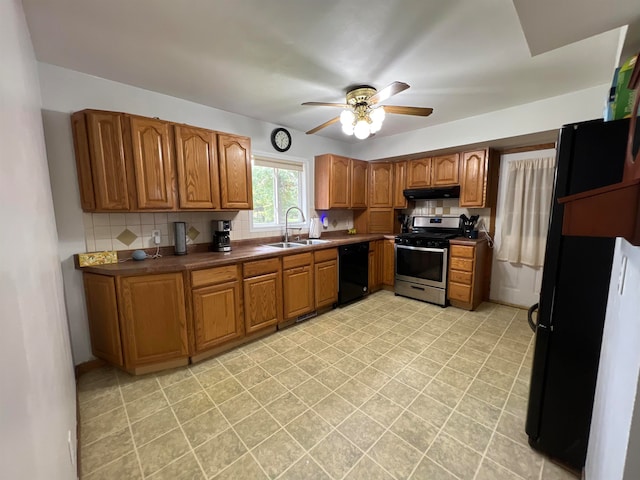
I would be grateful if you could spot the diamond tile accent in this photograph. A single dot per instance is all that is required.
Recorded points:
(127, 237)
(193, 233)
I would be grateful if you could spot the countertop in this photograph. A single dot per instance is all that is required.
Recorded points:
(238, 254)
(468, 241)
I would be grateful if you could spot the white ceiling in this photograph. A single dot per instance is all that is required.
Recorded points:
(263, 58)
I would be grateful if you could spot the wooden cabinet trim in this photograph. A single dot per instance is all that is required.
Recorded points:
(324, 255)
(260, 267)
(234, 158)
(215, 275)
(444, 170)
(299, 260)
(419, 173)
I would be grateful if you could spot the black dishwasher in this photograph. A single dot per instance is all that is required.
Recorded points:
(353, 261)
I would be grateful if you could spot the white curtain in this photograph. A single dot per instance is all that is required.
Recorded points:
(526, 211)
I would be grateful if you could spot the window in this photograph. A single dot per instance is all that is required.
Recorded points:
(277, 185)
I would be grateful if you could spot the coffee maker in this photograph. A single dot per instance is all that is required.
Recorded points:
(221, 236)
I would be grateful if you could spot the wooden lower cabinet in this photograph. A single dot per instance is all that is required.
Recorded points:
(467, 265)
(326, 277)
(217, 309)
(297, 285)
(152, 318)
(388, 262)
(102, 312)
(262, 287)
(375, 265)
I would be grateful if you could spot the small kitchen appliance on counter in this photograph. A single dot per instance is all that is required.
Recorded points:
(468, 225)
(314, 228)
(180, 238)
(221, 235)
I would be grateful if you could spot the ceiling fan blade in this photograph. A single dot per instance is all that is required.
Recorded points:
(388, 91)
(323, 104)
(419, 111)
(325, 124)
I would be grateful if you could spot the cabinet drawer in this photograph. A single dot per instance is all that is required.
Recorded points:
(260, 267)
(292, 261)
(459, 292)
(212, 276)
(460, 277)
(324, 255)
(461, 264)
(464, 251)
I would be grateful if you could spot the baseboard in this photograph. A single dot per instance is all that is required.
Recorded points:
(85, 367)
(507, 304)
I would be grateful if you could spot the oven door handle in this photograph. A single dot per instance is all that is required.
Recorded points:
(422, 249)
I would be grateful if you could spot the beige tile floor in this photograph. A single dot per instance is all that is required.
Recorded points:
(386, 388)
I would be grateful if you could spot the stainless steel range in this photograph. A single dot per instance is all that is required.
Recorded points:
(422, 258)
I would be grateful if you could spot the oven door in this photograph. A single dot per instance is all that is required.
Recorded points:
(425, 266)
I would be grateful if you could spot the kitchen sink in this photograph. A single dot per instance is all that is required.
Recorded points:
(311, 241)
(284, 245)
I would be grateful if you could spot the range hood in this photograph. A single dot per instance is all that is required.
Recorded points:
(431, 193)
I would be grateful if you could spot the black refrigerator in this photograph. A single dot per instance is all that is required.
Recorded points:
(573, 298)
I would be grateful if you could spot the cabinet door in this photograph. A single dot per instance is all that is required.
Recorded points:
(340, 180)
(217, 314)
(102, 312)
(153, 318)
(399, 184)
(473, 179)
(83, 161)
(152, 163)
(108, 165)
(381, 185)
(419, 173)
(262, 301)
(358, 184)
(197, 162)
(445, 170)
(326, 283)
(235, 172)
(373, 271)
(388, 262)
(297, 286)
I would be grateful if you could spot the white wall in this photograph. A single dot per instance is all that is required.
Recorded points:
(37, 387)
(610, 455)
(65, 91)
(511, 283)
(540, 116)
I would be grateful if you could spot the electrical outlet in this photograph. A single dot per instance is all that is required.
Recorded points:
(155, 235)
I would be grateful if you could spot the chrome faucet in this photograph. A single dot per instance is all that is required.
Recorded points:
(286, 222)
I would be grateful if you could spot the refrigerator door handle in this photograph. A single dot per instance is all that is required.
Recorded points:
(532, 309)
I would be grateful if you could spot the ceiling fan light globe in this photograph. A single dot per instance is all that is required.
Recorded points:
(361, 130)
(347, 117)
(377, 115)
(375, 126)
(347, 129)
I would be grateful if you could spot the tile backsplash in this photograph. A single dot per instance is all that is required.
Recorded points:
(448, 207)
(128, 231)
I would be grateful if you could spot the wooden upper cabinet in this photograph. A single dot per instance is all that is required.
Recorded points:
(381, 185)
(106, 160)
(83, 161)
(152, 163)
(473, 179)
(445, 170)
(153, 318)
(332, 182)
(399, 184)
(235, 172)
(419, 173)
(359, 170)
(197, 166)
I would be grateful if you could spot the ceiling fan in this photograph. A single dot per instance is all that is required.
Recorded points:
(363, 115)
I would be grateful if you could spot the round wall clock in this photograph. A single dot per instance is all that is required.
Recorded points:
(281, 139)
